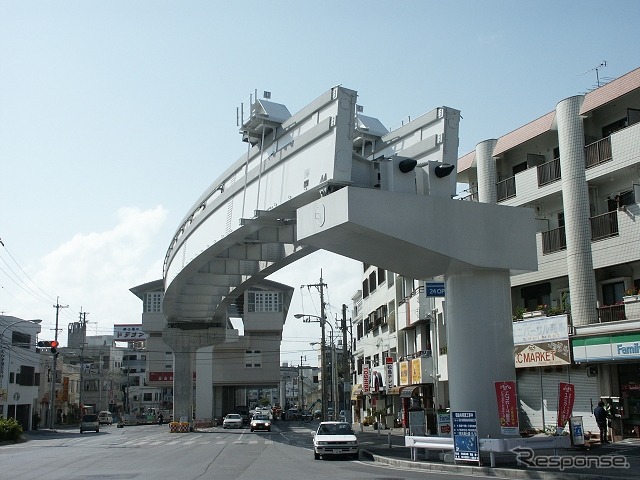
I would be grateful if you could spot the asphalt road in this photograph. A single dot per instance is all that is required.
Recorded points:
(151, 452)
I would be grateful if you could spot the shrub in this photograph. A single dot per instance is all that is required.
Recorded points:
(10, 429)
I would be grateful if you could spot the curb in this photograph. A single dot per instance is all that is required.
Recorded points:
(474, 470)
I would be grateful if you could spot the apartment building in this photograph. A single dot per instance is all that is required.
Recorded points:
(578, 168)
(399, 349)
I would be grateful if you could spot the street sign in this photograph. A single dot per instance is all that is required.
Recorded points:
(465, 436)
(434, 289)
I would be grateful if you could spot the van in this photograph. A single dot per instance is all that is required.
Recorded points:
(89, 423)
(105, 418)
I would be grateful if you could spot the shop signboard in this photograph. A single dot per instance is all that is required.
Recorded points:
(614, 347)
(388, 367)
(506, 396)
(444, 424)
(416, 371)
(540, 342)
(465, 436)
(365, 379)
(405, 371)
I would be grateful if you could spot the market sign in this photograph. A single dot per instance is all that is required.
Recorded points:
(540, 342)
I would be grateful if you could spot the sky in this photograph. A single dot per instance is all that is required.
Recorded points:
(116, 116)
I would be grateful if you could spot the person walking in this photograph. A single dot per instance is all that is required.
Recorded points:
(601, 419)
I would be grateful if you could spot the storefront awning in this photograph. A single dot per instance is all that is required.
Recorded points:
(356, 391)
(407, 392)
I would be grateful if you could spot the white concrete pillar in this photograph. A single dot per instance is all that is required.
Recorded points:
(575, 197)
(479, 343)
(487, 174)
(184, 344)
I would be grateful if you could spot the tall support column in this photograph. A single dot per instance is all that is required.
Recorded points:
(487, 175)
(575, 197)
(184, 344)
(480, 343)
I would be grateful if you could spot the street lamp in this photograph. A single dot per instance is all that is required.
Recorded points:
(322, 321)
(37, 321)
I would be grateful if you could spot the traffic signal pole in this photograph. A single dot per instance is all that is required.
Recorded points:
(52, 397)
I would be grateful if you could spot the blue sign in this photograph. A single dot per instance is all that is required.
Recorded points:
(434, 289)
(465, 436)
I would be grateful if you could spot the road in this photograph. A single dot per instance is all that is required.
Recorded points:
(151, 452)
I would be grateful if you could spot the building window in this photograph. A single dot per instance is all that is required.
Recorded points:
(19, 339)
(153, 302)
(381, 275)
(147, 397)
(264, 301)
(372, 282)
(365, 288)
(253, 359)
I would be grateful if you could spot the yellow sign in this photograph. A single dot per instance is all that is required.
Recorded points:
(404, 373)
(416, 371)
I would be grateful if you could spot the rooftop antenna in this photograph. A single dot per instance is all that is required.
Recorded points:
(597, 70)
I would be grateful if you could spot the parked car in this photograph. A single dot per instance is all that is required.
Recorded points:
(293, 414)
(335, 438)
(232, 420)
(105, 418)
(260, 422)
(89, 423)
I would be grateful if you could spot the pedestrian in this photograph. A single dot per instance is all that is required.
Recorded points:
(601, 419)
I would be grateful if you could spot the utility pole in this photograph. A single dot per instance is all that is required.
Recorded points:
(346, 371)
(323, 385)
(52, 400)
(302, 359)
(83, 330)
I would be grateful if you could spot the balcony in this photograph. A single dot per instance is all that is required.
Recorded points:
(611, 313)
(554, 240)
(549, 172)
(598, 152)
(604, 226)
(506, 189)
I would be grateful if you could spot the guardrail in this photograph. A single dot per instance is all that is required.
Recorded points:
(491, 445)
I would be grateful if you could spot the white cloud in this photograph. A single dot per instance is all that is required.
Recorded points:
(94, 271)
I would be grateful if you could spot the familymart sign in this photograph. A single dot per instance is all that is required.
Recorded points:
(607, 348)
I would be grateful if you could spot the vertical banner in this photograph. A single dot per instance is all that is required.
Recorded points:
(365, 379)
(566, 397)
(465, 436)
(388, 366)
(507, 407)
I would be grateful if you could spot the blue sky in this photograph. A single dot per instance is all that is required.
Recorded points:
(115, 116)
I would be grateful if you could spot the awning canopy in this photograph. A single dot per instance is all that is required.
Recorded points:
(356, 391)
(407, 392)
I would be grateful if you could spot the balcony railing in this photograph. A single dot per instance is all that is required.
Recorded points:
(611, 313)
(604, 226)
(506, 188)
(598, 152)
(549, 172)
(554, 240)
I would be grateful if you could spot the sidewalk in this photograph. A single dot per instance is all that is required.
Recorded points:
(597, 462)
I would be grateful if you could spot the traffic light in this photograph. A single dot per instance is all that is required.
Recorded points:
(50, 344)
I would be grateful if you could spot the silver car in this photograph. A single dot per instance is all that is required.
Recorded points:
(232, 420)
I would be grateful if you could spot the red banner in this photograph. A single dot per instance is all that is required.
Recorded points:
(566, 397)
(507, 407)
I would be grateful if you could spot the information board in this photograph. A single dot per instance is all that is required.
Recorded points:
(465, 436)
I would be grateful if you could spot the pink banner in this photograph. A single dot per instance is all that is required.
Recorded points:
(566, 397)
(507, 407)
